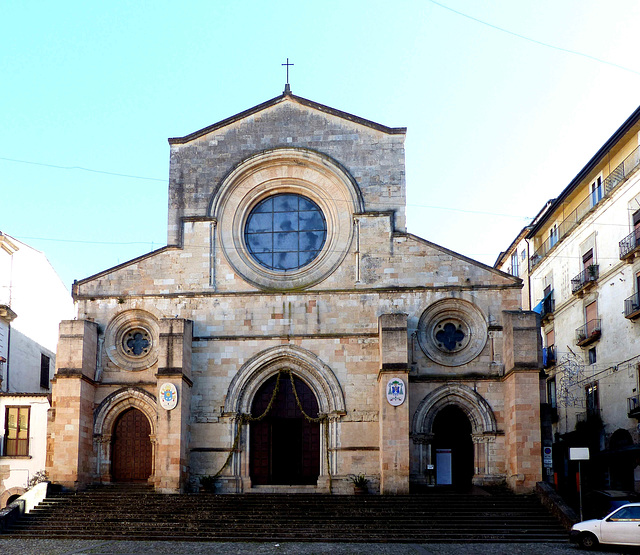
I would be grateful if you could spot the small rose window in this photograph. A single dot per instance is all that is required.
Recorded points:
(136, 342)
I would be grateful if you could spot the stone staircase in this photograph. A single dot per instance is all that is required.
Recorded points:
(137, 513)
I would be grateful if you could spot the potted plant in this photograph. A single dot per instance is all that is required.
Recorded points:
(359, 482)
(592, 270)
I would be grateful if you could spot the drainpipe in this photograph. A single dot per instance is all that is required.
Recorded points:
(528, 274)
(8, 355)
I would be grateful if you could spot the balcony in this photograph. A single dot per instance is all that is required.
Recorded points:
(549, 356)
(617, 176)
(585, 279)
(633, 407)
(632, 307)
(548, 306)
(587, 334)
(630, 246)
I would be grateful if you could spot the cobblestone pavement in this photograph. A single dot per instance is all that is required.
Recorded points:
(113, 547)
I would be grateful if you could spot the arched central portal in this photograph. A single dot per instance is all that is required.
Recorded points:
(453, 448)
(284, 446)
(131, 449)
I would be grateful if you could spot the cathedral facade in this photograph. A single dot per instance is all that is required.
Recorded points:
(292, 334)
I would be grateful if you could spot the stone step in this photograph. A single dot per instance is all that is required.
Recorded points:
(119, 512)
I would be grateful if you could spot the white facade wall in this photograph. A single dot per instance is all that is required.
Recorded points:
(15, 472)
(31, 288)
(618, 349)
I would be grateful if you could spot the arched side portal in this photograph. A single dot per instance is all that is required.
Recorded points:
(312, 372)
(106, 417)
(481, 420)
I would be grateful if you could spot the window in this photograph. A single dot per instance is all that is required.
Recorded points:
(590, 317)
(636, 228)
(44, 371)
(596, 191)
(551, 392)
(587, 259)
(592, 356)
(523, 254)
(592, 399)
(16, 433)
(285, 232)
(515, 270)
(553, 236)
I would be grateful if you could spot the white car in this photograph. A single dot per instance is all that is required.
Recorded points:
(621, 527)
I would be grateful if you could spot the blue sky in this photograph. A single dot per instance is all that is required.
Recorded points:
(497, 124)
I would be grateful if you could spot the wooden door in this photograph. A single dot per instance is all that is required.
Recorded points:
(284, 446)
(131, 448)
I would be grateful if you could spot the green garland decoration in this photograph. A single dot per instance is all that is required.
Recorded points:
(246, 418)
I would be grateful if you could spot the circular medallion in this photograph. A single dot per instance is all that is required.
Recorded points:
(396, 392)
(168, 396)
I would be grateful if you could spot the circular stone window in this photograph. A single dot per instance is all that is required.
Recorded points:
(452, 332)
(131, 340)
(285, 232)
(284, 218)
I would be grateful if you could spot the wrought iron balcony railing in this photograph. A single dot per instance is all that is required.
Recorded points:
(632, 306)
(629, 244)
(633, 406)
(585, 277)
(617, 176)
(588, 333)
(548, 306)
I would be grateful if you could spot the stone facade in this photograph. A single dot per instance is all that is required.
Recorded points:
(372, 304)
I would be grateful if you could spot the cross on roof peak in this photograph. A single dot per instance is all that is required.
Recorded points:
(287, 88)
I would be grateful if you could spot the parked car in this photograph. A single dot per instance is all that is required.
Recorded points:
(601, 502)
(621, 527)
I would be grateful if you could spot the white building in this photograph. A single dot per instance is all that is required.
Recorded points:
(583, 273)
(33, 301)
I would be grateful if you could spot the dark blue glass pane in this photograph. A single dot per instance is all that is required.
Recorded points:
(265, 259)
(285, 221)
(265, 206)
(260, 242)
(285, 241)
(311, 221)
(306, 204)
(285, 203)
(285, 260)
(306, 257)
(259, 223)
(311, 240)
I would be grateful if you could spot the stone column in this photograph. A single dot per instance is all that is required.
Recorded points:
(70, 452)
(523, 361)
(394, 420)
(171, 442)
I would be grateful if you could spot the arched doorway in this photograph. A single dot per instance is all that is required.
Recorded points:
(284, 446)
(131, 450)
(453, 447)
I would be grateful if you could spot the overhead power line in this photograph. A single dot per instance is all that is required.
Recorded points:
(535, 41)
(82, 169)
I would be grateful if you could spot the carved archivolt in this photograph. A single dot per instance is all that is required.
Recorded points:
(476, 408)
(305, 365)
(121, 400)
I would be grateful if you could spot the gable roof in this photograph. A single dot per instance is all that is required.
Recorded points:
(287, 96)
